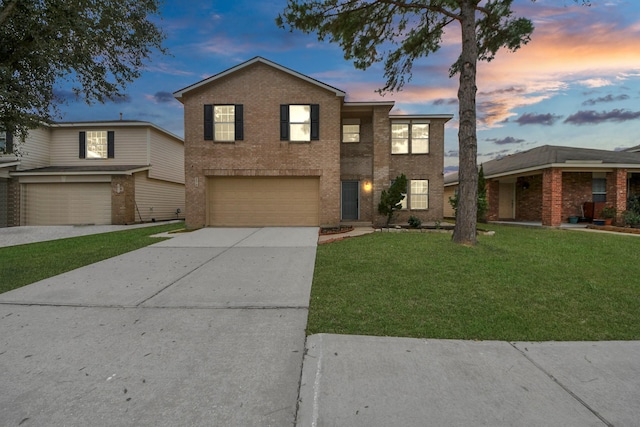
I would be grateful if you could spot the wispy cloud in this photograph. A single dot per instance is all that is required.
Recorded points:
(506, 141)
(547, 119)
(163, 97)
(448, 101)
(593, 117)
(608, 98)
(595, 83)
(164, 68)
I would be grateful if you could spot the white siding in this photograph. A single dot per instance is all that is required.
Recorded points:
(167, 157)
(35, 150)
(130, 146)
(157, 199)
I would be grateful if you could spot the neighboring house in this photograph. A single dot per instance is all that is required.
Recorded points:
(551, 183)
(266, 145)
(111, 172)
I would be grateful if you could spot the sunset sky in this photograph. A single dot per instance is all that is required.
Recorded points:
(577, 83)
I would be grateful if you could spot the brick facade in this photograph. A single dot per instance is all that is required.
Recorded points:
(529, 198)
(555, 195)
(493, 200)
(123, 199)
(551, 184)
(576, 190)
(261, 87)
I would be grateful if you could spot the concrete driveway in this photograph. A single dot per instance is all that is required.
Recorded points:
(205, 329)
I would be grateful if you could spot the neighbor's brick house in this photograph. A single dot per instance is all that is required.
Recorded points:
(549, 184)
(265, 145)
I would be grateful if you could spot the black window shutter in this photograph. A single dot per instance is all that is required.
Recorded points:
(239, 128)
(9, 143)
(82, 150)
(284, 122)
(111, 144)
(208, 122)
(315, 122)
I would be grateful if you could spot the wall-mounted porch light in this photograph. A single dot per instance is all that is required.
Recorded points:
(367, 186)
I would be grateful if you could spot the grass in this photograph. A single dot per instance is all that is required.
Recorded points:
(25, 264)
(519, 285)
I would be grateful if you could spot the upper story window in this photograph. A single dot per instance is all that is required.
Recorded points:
(97, 145)
(300, 123)
(351, 130)
(224, 123)
(409, 138)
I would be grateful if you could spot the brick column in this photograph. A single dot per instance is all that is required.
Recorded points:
(552, 197)
(617, 192)
(13, 203)
(123, 199)
(493, 198)
(381, 157)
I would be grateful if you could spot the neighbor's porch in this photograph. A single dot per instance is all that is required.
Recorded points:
(554, 195)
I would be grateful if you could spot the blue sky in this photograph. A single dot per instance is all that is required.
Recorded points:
(577, 83)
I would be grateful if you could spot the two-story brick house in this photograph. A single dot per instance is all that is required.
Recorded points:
(101, 172)
(266, 145)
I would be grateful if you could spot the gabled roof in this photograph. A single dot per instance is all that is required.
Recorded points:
(258, 59)
(548, 156)
(633, 149)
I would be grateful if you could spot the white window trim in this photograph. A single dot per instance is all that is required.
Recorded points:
(232, 123)
(410, 124)
(96, 147)
(412, 194)
(306, 123)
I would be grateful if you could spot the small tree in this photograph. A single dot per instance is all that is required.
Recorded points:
(390, 199)
(482, 205)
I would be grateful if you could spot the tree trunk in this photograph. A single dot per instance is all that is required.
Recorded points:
(466, 221)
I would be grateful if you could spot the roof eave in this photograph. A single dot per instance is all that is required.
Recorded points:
(446, 117)
(79, 173)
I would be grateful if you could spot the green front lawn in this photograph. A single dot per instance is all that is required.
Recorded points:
(521, 284)
(24, 264)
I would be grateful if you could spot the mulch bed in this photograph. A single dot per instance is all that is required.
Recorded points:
(628, 230)
(326, 231)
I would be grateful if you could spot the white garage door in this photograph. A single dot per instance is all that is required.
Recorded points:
(66, 204)
(263, 201)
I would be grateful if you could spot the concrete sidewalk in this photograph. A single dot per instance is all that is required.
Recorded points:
(12, 236)
(205, 329)
(380, 381)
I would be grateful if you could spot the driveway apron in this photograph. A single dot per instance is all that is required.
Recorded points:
(207, 328)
